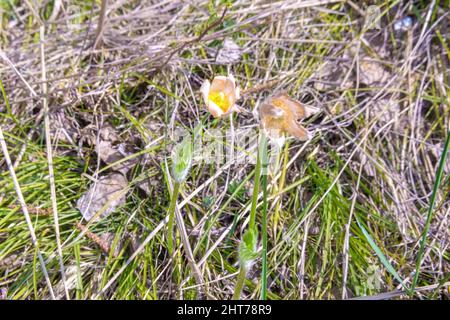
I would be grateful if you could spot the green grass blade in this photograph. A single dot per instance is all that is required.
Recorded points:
(380, 254)
(437, 183)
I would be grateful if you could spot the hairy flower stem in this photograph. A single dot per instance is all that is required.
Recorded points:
(239, 283)
(264, 156)
(256, 183)
(173, 201)
(260, 169)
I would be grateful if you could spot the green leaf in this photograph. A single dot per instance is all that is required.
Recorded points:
(248, 248)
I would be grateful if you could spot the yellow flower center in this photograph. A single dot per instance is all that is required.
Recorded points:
(220, 100)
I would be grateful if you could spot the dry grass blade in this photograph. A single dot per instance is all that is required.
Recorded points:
(48, 142)
(25, 212)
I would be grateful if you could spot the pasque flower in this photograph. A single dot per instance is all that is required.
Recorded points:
(220, 95)
(280, 115)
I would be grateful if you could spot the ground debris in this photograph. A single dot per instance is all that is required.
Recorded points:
(111, 149)
(372, 72)
(103, 197)
(62, 128)
(332, 76)
(230, 53)
(10, 261)
(385, 110)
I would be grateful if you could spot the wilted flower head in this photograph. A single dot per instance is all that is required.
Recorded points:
(281, 115)
(220, 96)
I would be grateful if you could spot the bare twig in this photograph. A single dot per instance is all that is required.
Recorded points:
(101, 24)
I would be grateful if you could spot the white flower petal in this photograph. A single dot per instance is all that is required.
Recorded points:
(224, 78)
(231, 78)
(204, 89)
(214, 109)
